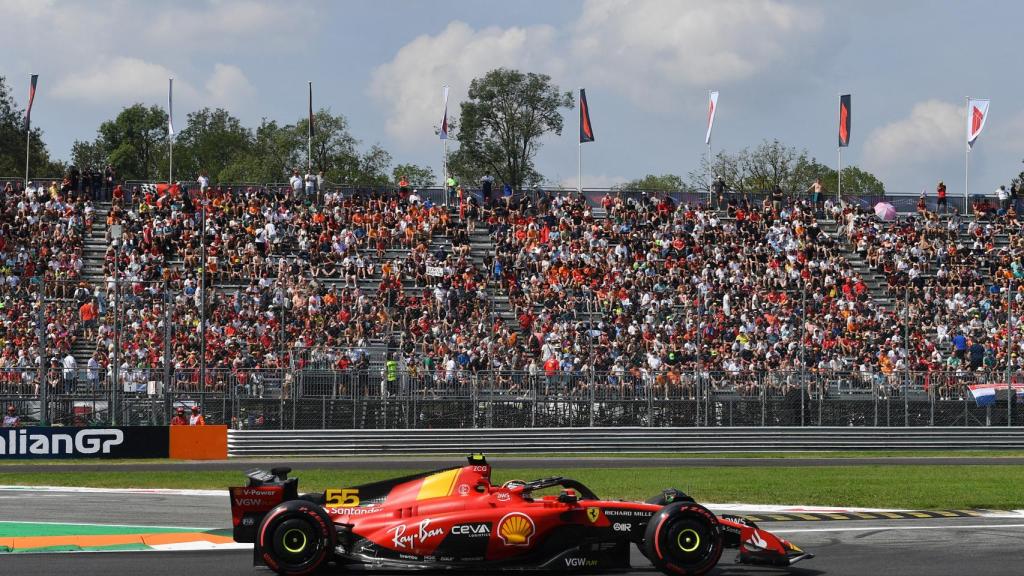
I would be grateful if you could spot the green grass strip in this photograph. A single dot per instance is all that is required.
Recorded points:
(882, 486)
(113, 547)
(10, 529)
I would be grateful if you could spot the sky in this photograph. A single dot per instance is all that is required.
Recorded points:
(647, 65)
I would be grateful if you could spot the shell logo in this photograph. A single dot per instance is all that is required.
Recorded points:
(516, 529)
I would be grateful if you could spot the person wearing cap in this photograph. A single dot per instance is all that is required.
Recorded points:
(179, 418)
(196, 419)
(11, 419)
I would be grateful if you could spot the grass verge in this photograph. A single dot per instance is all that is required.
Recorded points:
(889, 486)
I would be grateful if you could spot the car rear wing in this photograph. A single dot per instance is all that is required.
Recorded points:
(250, 503)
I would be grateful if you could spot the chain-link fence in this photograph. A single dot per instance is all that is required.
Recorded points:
(319, 397)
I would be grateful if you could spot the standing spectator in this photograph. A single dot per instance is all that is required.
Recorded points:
(196, 419)
(70, 372)
(11, 419)
(403, 185)
(109, 177)
(940, 193)
(203, 181)
(92, 372)
(486, 187)
(451, 184)
(777, 198)
(320, 181)
(1004, 199)
(88, 313)
(817, 191)
(718, 189)
(310, 180)
(179, 418)
(296, 184)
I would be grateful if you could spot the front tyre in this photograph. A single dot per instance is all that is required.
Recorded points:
(295, 538)
(683, 538)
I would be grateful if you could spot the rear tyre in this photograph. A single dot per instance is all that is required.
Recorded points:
(295, 538)
(683, 538)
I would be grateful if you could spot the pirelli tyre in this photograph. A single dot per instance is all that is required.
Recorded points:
(684, 539)
(295, 538)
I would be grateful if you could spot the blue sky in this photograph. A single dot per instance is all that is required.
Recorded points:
(647, 66)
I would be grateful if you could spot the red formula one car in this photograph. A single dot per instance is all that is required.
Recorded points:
(455, 519)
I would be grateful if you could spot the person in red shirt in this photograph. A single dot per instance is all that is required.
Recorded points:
(179, 418)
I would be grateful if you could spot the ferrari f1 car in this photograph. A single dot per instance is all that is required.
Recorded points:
(456, 519)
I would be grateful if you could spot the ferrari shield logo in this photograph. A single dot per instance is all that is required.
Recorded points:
(593, 514)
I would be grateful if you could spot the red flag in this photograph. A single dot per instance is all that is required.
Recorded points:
(586, 130)
(31, 98)
(844, 120)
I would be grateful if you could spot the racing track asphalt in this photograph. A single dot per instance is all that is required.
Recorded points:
(924, 547)
(396, 463)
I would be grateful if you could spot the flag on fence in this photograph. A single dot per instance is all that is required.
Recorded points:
(977, 113)
(712, 110)
(844, 120)
(170, 107)
(444, 119)
(31, 98)
(586, 130)
(985, 394)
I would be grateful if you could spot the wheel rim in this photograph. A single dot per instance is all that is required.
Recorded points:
(688, 540)
(294, 541)
(689, 543)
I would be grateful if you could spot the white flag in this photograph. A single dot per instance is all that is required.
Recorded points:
(444, 120)
(712, 109)
(170, 106)
(977, 112)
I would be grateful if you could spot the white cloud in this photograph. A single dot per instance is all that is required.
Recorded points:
(645, 48)
(228, 87)
(410, 84)
(931, 136)
(118, 80)
(243, 24)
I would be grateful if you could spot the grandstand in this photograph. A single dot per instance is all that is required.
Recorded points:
(549, 307)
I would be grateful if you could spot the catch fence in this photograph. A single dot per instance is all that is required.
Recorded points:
(319, 398)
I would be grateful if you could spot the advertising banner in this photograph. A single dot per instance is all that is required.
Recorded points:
(58, 442)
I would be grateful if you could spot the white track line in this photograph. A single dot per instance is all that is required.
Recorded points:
(890, 528)
(80, 490)
(106, 525)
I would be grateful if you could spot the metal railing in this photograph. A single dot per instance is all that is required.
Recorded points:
(319, 398)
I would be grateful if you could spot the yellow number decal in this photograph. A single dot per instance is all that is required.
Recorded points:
(347, 498)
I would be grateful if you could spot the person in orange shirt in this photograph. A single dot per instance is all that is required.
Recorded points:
(196, 419)
(87, 312)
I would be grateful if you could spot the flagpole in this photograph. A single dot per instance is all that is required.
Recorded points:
(170, 131)
(839, 175)
(444, 142)
(710, 167)
(967, 155)
(28, 135)
(309, 133)
(579, 153)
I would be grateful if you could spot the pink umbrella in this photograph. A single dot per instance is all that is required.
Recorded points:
(885, 211)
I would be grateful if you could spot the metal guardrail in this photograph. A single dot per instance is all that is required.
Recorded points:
(293, 443)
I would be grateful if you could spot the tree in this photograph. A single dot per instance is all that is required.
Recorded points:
(88, 155)
(275, 150)
(771, 164)
(12, 142)
(666, 182)
(502, 122)
(333, 147)
(135, 142)
(418, 176)
(212, 140)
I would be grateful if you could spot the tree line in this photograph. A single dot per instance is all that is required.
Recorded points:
(498, 131)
